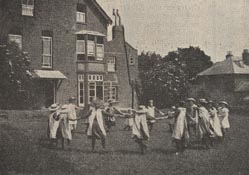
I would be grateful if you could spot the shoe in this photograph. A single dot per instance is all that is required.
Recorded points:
(177, 153)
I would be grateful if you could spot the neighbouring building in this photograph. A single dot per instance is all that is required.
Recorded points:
(226, 80)
(70, 54)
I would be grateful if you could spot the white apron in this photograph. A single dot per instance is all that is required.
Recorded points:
(99, 116)
(223, 115)
(215, 122)
(72, 114)
(65, 126)
(180, 129)
(140, 127)
(53, 125)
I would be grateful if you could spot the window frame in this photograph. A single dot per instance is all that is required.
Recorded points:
(111, 64)
(80, 14)
(47, 55)
(131, 61)
(28, 9)
(81, 82)
(15, 35)
(100, 58)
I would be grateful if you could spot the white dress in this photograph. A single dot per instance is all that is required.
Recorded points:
(151, 113)
(64, 124)
(140, 127)
(223, 115)
(215, 122)
(72, 114)
(96, 114)
(53, 125)
(180, 129)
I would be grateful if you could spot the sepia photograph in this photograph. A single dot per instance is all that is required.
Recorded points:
(124, 87)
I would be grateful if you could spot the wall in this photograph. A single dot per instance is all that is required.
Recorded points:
(48, 16)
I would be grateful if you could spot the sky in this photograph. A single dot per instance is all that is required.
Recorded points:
(216, 26)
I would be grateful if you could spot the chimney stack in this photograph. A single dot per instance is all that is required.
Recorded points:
(115, 16)
(118, 28)
(119, 18)
(229, 54)
(245, 57)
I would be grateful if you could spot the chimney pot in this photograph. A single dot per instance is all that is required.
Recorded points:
(229, 54)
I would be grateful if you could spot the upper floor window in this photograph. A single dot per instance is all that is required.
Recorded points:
(80, 47)
(91, 45)
(28, 7)
(111, 64)
(81, 13)
(100, 49)
(17, 39)
(131, 61)
(47, 52)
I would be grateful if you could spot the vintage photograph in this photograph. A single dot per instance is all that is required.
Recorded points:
(124, 87)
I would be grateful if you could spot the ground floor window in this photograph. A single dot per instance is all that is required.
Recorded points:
(81, 89)
(96, 88)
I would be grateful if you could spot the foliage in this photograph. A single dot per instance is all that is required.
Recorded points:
(167, 79)
(16, 79)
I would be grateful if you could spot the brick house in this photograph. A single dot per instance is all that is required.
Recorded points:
(226, 80)
(67, 43)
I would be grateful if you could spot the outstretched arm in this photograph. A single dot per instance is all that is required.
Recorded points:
(160, 112)
(83, 117)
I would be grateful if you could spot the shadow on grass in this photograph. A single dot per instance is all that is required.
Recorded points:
(21, 156)
(164, 151)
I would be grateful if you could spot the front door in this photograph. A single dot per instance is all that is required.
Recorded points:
(49, 93)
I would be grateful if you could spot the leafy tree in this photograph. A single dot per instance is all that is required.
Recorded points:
(15, 77)
(167, 80)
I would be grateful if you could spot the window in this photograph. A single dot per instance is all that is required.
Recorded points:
(94, 44)
(90, 48)
(46, 52)
(95, 90)
(28, 7)
(81, 13)
(17, 39)
(80, 47)
(113, 93)
(110, 91)
(100, 52)
(81, 89)
(111, 64)
(95, 77)
(131, 61)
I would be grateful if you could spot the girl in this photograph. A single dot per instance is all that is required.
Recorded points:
(214, 120)
(180, 133)
(223, 115)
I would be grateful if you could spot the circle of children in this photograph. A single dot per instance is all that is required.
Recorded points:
(201, 120)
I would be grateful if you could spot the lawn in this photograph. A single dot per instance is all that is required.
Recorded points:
(24, 150)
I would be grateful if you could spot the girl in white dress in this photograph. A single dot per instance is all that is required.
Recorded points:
(224, 117)
(180, 132)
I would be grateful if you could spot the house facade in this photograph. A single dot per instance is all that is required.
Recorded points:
(67, 43)
(226, 80)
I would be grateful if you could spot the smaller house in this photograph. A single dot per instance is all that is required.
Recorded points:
(226, 80)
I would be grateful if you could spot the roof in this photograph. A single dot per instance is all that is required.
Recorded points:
(48, 74)
(101, 10)
(89, 33)
(129, 45)
(231, 65)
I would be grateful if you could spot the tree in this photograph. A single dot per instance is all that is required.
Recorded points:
(167, 80)
(15, 77)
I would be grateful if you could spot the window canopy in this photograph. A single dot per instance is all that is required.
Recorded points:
(89, 32)
(48, 74)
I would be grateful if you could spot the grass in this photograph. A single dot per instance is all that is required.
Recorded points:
(24, 151)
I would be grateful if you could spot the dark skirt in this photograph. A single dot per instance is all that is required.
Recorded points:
(96, 131)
